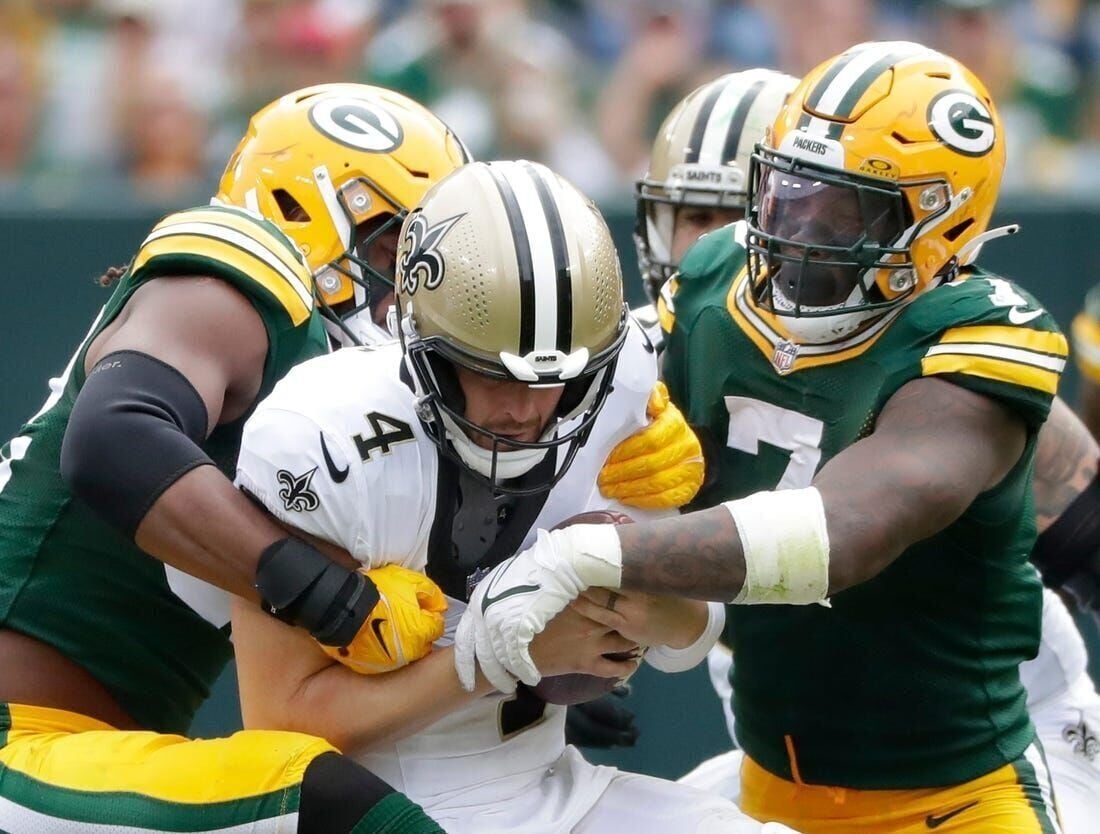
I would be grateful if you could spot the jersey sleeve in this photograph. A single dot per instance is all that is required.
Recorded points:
(241, 248)
(282, 465)
(333, 452)
(988, 335)
(1086, 337)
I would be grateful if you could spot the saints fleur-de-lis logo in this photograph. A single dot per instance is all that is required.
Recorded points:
(420, 259)
(296, 493)
(1084, 743)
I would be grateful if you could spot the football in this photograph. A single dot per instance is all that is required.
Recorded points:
(577, 688)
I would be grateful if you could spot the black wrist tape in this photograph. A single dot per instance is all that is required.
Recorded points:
(134, 430)
(302, 586)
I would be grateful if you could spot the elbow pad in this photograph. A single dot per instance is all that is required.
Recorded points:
(134, 430)
(1068, 551)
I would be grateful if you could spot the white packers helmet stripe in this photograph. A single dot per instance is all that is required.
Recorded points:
(542, 255)
(838, 92)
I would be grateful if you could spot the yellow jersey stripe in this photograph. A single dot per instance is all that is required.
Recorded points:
(241, 241)
(999, 370)
(251, 228)
(257, 269)
(1086, 345)
(1043, 341)
(1025, 357)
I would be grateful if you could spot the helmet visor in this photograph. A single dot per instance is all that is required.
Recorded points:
(816, 237)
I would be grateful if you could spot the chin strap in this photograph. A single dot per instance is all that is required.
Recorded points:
(970, 251)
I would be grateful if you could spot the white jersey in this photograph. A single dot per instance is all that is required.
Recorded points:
(650, 322)
(337, 450)
(1060, 667)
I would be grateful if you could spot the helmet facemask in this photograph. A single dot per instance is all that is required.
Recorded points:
(501, 466)
(828, 252)
(369, 232)
(657, 205)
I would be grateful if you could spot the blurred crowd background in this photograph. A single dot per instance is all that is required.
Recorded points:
(117, 102)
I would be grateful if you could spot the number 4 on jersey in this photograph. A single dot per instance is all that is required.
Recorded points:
(388, 432)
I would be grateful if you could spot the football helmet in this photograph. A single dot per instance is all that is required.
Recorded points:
(337, 167)
(507, 270)
(701, 158)
(876, 183)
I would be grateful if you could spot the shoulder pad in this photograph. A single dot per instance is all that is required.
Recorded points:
(236, 245)
(337, 451)
(989, 330)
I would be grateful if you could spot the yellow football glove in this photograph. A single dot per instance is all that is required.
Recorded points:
(658, 467)
(402, 627)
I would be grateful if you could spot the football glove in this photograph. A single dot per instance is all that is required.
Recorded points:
(659, 466)
(602, 723)
(402, 627)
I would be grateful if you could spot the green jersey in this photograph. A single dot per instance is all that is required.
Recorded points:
(909, 680)
(77, 584)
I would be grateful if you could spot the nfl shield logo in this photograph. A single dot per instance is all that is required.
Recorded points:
(785, 354)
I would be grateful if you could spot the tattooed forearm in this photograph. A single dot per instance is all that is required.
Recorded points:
(696, 555)
(1065, 463)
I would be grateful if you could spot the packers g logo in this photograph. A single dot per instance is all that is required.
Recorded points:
(358, 123)
(962, 122)
(420, 260)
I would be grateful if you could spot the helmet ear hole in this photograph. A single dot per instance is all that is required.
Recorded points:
(955, 232)
(446, 379)
(292, 210)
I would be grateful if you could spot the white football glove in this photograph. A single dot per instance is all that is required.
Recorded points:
(519, 597)
(472, 647)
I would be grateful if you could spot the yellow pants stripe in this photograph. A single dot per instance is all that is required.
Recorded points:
(64, 765)
(1010, 799)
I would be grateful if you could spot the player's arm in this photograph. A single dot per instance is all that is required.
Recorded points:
(187, 354)
(935, 448)
(1067, 507)
(305, 691)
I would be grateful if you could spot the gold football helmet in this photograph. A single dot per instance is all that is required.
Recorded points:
(876, 183)
(337, 167)
(701, 158)
(507, 270)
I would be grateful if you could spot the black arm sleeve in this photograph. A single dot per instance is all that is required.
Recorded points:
(135, 430)
(1068, 551)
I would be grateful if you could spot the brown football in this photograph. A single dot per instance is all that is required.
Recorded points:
(577, 688)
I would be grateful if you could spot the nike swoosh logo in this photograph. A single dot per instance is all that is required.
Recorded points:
(337, 475)
(1017, 317)
(933, 821)
(376, 626)
(488, 600)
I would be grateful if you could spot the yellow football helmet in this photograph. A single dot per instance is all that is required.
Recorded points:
(876, 183)
(337, 167)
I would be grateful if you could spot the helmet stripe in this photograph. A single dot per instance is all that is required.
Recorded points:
(523, 260)
(562, 269)
(857, 75)
(814, 98)
(737, 123)
(700, 127)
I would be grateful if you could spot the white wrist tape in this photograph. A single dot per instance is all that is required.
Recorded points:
(786, 546)
(594, 552)
(667, 659)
